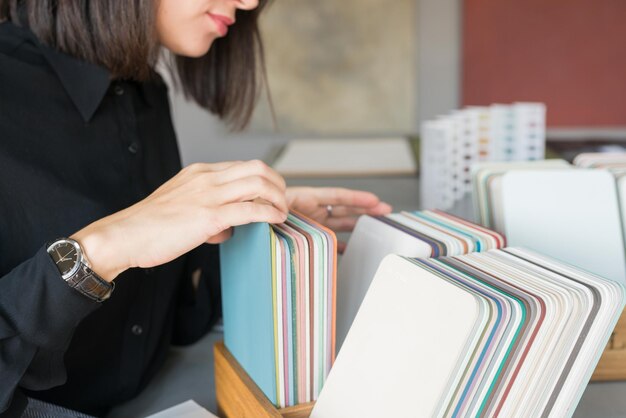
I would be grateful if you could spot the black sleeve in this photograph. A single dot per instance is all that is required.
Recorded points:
(198, 308)
(38, 315)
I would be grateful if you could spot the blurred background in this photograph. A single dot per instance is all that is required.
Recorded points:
(371, 68)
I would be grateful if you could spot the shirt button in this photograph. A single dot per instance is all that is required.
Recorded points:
(137, 330)
(119, 90)
(133, 148)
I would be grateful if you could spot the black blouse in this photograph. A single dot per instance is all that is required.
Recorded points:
(76, 146)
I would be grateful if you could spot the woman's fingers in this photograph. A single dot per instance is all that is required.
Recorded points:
(341, 211)
(247, 169)
(345, 224)
(176, 185)
(337, 196)
(221, 237)
(347, 201)
(251, 188)
(378, 210)
(242, 213)
(211, 167)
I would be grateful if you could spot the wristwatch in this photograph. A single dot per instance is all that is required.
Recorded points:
(72, 263)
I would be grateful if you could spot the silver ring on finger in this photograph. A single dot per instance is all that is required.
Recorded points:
(329, 211)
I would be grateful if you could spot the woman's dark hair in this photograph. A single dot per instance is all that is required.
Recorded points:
(226, 81)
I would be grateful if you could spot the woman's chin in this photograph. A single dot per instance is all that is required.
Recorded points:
(193, 50)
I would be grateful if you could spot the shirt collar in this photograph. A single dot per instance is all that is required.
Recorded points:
(85, 83)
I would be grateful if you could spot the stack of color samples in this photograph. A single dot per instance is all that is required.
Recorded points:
(278, 296)
(487, 187)
(507, 333)
(576, 215)
(613, 161)
(422, 234)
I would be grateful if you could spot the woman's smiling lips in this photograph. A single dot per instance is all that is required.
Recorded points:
(221, 22)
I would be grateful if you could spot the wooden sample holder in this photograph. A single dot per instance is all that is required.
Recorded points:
(239, 397)
(612, 364)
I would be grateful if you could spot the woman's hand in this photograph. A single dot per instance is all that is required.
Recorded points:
(200, 204)
(346, 206)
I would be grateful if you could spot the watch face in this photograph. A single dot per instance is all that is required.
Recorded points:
(65, 255)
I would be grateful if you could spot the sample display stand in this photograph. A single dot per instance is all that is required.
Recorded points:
(612, 364)
(238, 396)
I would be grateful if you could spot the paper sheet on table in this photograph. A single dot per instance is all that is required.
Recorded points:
(346, 157)
(188, 409)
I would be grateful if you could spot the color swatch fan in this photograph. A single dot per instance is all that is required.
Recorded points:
(608, 160)
(487, 188)
(422, 234)
(501, 333)
(278, 297)
(576, 215)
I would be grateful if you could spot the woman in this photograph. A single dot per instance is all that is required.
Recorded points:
(88, 154)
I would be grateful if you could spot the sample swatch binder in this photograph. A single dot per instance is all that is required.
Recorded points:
(573, 214)
(278, 297)
(506, 332)
(456, 324)
(422, 234)
(609, 160)
(575, 205)
(487, 187)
